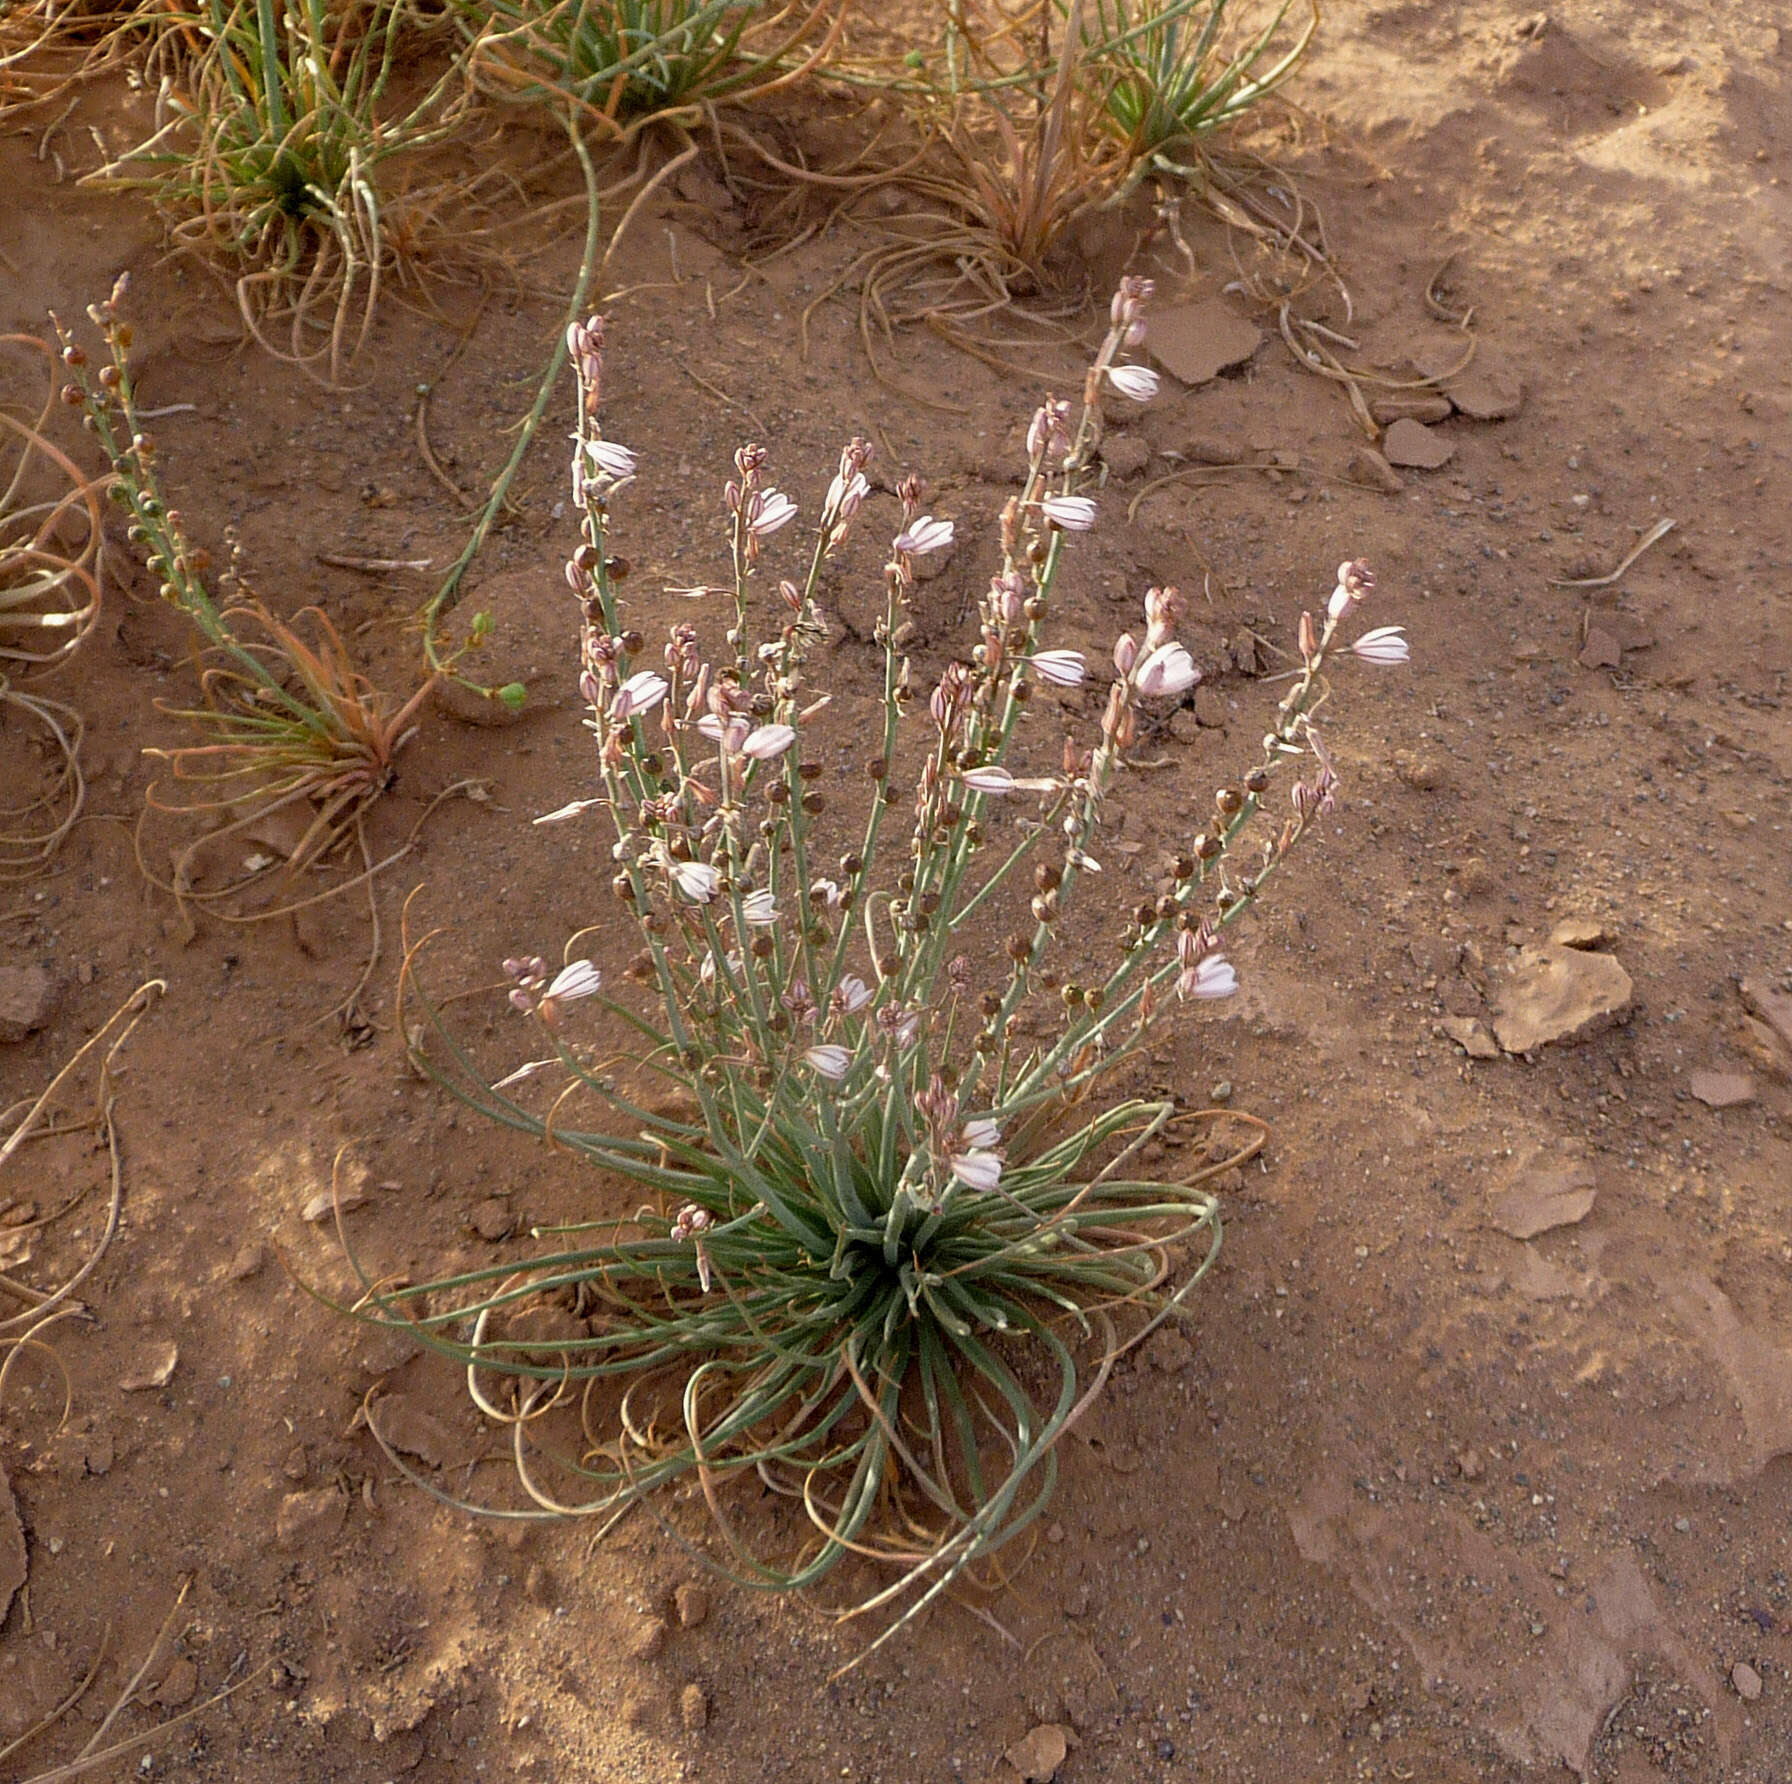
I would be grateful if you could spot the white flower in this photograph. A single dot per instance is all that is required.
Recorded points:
(1168, 670)
(1342, 603)
(982, 1135)
(642, 692)
(730, 732)
(579, 978)
(1136, 381)
(759, 908)
(1075, 514)
(562, 813)
(992, 779)
(923, 535)
(768, 741)
(826, 893)
(772, 509)
(1062, 668)
(611, 460)
(1083, 863)
(697, 880)
(1212, 976)
(845, 494)
(830, 1061)
(851, 995)
(1384, 645)
(977, 1169)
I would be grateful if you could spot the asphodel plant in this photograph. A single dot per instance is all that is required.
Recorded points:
(893, 1228)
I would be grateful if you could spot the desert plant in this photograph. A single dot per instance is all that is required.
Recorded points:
(49, 596)
(628, 61)
(288, 721)
(269, 151)
(1172, 77)
(889, 1173)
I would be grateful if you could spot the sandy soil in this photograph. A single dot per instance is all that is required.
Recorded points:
(1407, 1497)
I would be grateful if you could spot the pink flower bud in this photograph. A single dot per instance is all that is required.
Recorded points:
(1126, 653)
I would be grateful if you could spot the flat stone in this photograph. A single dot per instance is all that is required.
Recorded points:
(1746, 1680)
(1580, 932)
(649, 1640)
(27, 997)
(1195, 342)
(1488, 390)
(1555, 995)
(1722, 1090)
(1600, 650)
(1471, 1036)
(1412, 444)
(1423, 406)
(1368, 466)
(691, 1601)
(156, 1370)
(1210, 709)
(1545, 1193)
(319, 1514)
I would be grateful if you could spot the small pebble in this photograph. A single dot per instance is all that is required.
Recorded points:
(692, 1604)
(1746, 1680)
(1221, 1092)
(650, 1639)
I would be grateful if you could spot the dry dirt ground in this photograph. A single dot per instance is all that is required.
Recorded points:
(1407, 1496)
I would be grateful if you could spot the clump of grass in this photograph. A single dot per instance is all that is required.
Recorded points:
(1174, 77)
(893, 1231)
(273, 142)
(49, 598)
(629, 62)
(288, 721)
(1030, 123)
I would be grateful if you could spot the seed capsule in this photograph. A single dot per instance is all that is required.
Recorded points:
(1047, 877)
(1257, 781)
(1228, 801)
(1020, 950)
(1209, 846)
(814, 804)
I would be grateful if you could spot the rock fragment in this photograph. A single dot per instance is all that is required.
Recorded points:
(1368, 466)
(1558, 996)
(1546, 1193)
(27, 998)
(691, 1601)
(1746, 1680)
(1415, 446)
(1470, 1036)
(1039, 1752)
(1195, 342)
(1721, 1090)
